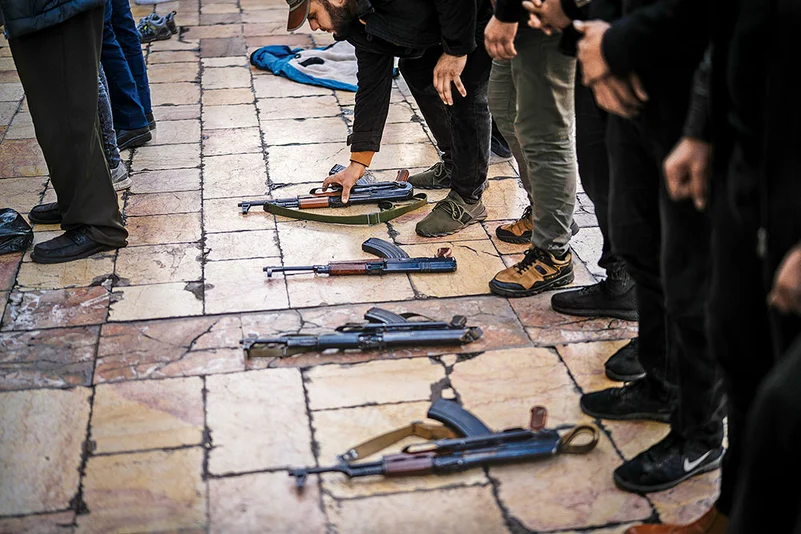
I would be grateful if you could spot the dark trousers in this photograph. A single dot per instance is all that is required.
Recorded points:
(58, 70)
(125, 68)
(593, 163)
(747, 340)
(463, 130)
(665, 245)
(768, 496)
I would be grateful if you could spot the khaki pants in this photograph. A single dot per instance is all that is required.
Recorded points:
(531, 100)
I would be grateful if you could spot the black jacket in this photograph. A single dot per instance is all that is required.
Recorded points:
(22, 17)
(405, 29)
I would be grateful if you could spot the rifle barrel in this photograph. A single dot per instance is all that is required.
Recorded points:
(301, 268)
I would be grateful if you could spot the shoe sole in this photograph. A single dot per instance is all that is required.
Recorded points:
(637, 488)
(122, 185)
(556, 282)
(614, 314)
(611, 375)
(137, 141)
(91, 252)
(36, 220)
(627, 417)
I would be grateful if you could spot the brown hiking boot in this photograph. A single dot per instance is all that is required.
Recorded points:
(520, 231)
(712, 522)
(537, 272)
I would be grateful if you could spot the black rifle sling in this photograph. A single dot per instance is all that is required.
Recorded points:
(387, 212)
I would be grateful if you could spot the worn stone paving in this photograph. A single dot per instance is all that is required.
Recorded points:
(127, 405)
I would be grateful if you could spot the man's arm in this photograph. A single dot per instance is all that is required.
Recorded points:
(457, 21)
(372, 104)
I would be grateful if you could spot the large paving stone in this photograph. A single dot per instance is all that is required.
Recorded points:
(165, 181)
(689, 500)
(148, 414)
(144, 492)
(235, 116)
(242, 285)
(264, 503)
(547, 327)
(163, 203)
(271, 109)
(169, 348)
(58, 357)
(79, 273)
(336, 431)
(55, 523)
(21, 157)
(257, 421)
(42, 434)
(231, 141)
(234, 175)
(56, 308)
(379, 382)
(161, 229)
(159, 263)
(155, 158)
(242, 245)
(174, 299)
(570, 492)
(470, 509)
(291, 132)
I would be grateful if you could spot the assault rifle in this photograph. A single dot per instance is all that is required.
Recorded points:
(395, 260)
(383, 329)
(364, 193)
(455, 454)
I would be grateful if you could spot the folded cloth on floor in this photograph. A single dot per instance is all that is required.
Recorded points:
(333, 66)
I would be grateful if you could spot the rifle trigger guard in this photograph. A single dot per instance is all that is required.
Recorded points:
(566, 445)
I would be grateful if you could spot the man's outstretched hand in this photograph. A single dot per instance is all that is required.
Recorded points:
(448, 71)
(499, 39)
(347, 179)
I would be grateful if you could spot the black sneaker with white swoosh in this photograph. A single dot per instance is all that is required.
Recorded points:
(666, 464)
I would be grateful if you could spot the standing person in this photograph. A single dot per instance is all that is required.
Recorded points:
(126, 73)
(442, 59)
(56, 48)
(615, 295)
(531, 99)
(119, 172)
(754, 197)
(637, 71)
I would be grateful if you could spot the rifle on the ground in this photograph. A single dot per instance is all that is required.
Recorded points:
(395, 260)
(383, 329)
(382, 193)
(455, 454)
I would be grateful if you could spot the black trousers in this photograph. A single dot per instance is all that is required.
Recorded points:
(463, 130)
(58, 68)
(768, 496)
(665, 245)
(593, 163)
(747, 339)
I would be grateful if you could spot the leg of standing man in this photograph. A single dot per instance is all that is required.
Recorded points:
(543, 79)
(462, 132)
(58, 69)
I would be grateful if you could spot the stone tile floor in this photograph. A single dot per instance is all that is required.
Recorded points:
(127, 404)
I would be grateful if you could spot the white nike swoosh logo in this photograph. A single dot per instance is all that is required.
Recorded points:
(689, 466)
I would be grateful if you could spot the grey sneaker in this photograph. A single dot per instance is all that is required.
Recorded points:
(120, 178)
(450, 215)
(435, 177)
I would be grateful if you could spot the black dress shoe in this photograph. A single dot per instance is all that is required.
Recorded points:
(71, 245)
(45, 214)
(133, 138)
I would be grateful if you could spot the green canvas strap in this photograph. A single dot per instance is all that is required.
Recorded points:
(387, 212)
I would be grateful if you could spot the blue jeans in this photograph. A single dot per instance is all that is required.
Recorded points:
(104, 113)
(125, 68)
